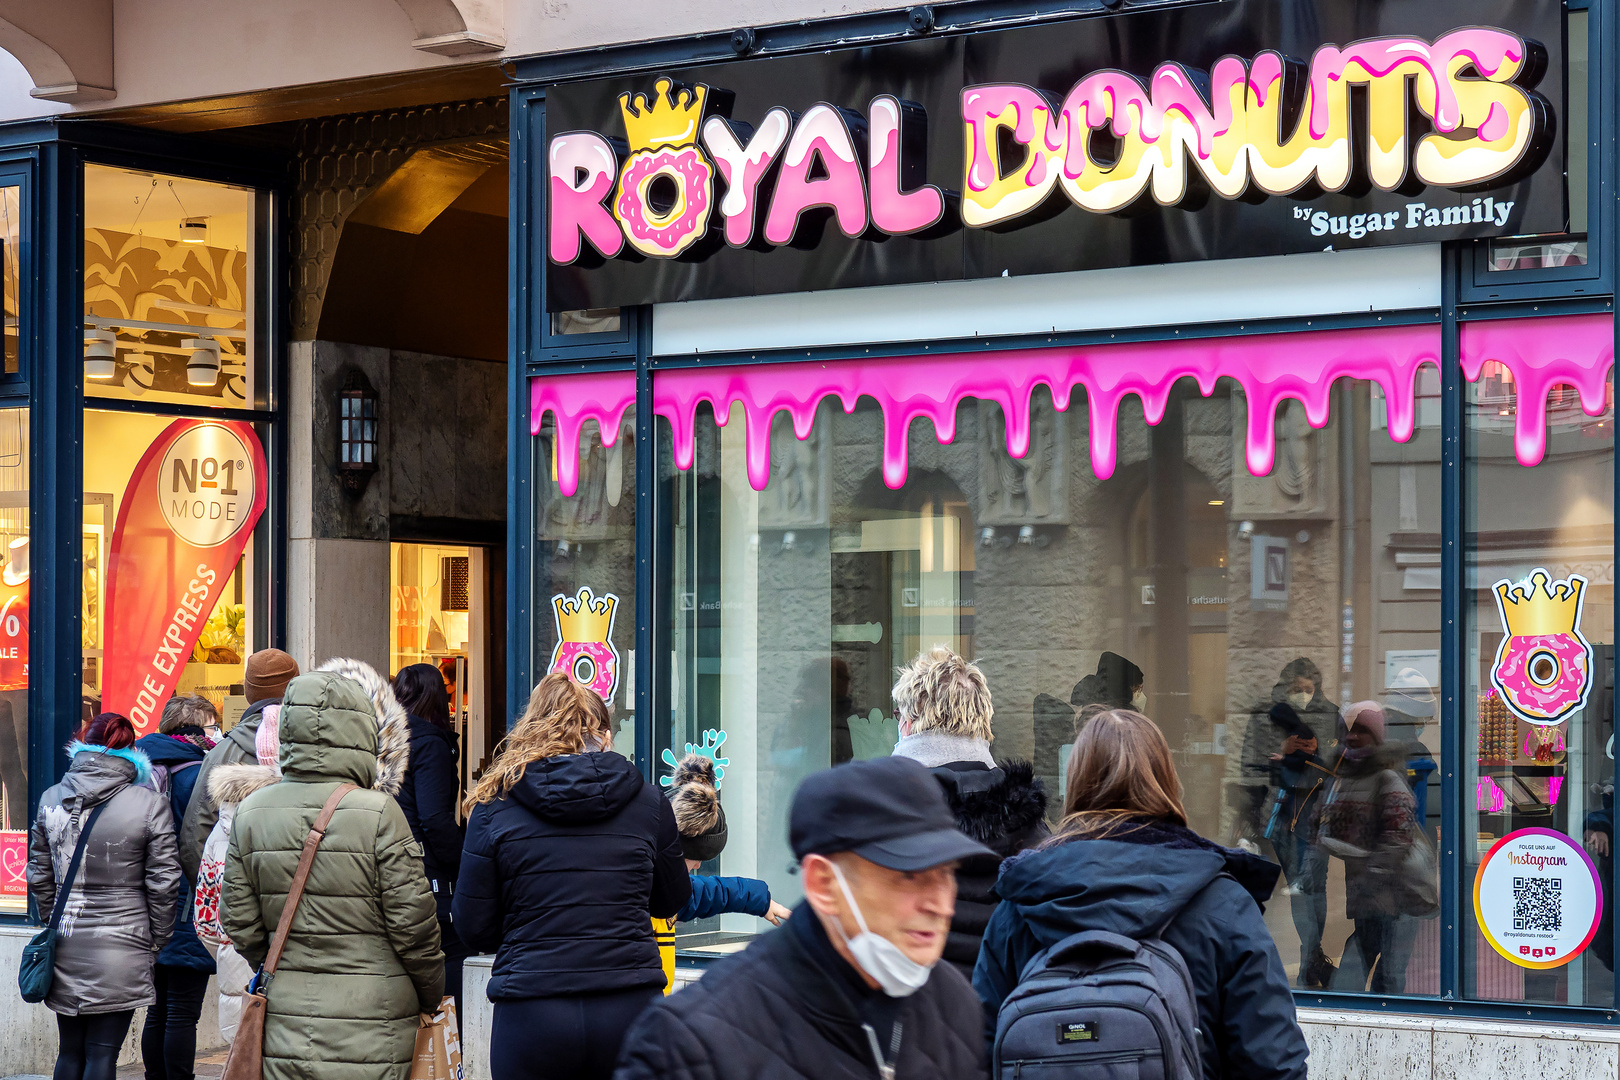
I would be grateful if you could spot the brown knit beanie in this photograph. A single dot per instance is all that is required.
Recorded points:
(268, 673)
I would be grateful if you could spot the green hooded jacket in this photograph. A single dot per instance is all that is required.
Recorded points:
(362, 958)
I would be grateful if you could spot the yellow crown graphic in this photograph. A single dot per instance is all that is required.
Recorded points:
(585, 617)
(1546, 607)
(649, 125)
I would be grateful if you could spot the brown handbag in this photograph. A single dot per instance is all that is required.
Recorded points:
(245, 1061)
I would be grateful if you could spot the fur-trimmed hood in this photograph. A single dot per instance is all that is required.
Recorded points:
(393, 725)
(230, 784)
(141, 763)
(342, 723)
(1003, 808)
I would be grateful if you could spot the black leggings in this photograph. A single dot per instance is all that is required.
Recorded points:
(571, 1038)
(169, 1039)
(89, 1045)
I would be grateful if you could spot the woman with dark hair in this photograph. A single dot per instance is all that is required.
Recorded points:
(123, 895)
(1123, 860)
(428, 797)
(569, 850)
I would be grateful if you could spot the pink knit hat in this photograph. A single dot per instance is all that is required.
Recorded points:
(267, 740)
(1365, 714)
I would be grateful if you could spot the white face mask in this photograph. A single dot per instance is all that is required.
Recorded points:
(898, 974)
(1301, 700)
(1139, 701)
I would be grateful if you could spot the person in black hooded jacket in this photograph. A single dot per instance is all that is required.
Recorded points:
(1123, 860)
(944, 707)
(570, 855)
(427, 795)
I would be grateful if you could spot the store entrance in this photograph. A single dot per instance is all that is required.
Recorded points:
(441, 616)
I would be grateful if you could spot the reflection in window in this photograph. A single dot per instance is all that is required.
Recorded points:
(1538, 759)
(585, 321)
(1244, 614)
(169, 282)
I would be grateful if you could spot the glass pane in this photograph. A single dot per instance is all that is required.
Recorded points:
(14, 620)
(169, 602)
(1242, 613)
(585, 571)
(170, 262)
(585, 321)
(1539, 714)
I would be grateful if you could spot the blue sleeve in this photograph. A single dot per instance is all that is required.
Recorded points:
(1260, 1036)
(725, 895)
(1008, 945)
(475, 908)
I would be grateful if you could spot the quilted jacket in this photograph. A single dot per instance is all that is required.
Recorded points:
(362, 959)
(780, 1010)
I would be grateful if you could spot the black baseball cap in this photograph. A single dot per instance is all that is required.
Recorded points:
(890, 811)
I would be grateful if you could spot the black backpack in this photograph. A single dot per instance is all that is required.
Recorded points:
(1101, 1006)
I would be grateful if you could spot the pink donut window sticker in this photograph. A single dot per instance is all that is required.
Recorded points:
(1573, 350)
(1543, 668)
(585, 650)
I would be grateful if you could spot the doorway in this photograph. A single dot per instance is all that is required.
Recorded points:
(441, 615)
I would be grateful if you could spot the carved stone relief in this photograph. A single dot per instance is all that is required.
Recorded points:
(1034, 489)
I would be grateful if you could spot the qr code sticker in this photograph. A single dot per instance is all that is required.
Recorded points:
(1538, 903)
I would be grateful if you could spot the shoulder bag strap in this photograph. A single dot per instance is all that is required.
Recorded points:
(296, 892)
(73, 866)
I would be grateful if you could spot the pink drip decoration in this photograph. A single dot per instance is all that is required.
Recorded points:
(1567, 350)
(1270, 368)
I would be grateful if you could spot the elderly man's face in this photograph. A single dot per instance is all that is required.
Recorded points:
(913, 910)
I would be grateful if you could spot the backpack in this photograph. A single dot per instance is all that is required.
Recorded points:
(1101, 1006)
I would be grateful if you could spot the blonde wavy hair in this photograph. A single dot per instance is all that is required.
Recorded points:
(940, 691)
(562, 717)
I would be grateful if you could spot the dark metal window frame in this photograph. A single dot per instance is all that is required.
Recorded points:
(48, 157)
(1525, 294)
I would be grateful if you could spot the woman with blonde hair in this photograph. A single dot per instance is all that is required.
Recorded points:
(570, 853)
(1123, 860)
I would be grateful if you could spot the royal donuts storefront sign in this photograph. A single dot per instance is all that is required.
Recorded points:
(1403, 138)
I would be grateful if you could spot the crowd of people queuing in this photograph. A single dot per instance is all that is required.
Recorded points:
(573, 869)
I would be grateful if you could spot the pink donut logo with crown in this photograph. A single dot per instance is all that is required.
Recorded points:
(1543, 668)
(585, 651)
(666, 187)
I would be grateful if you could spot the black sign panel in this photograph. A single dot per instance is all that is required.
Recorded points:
(1250, 127)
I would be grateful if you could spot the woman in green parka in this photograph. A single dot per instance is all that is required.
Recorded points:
(362, 959)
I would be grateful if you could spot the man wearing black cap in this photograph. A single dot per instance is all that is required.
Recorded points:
(852, 985)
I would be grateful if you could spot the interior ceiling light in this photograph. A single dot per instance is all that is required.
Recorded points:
(202, 366)
(194, 230)
(100, 354)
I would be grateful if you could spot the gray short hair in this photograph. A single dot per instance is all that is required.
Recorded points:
(940, 691)
(187, 710)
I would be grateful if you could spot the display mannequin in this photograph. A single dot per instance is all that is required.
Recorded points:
(14, 578)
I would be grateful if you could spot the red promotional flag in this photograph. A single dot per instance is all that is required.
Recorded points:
(184, 521)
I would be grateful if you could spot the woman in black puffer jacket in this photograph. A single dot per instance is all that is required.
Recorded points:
(428, 797)
(943, 703)
(569, 851)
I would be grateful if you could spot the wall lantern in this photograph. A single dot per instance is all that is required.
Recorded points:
(202, 361)
(357, 432)
(100, 354)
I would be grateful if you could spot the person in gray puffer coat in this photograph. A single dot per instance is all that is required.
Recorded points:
(120, 910)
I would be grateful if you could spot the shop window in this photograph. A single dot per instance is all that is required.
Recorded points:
(1538, 659)
(584, 583)
(10, 256)
(172, 271)
(174, 562)
(14, 622)
(587, 321)
(1244, 613)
